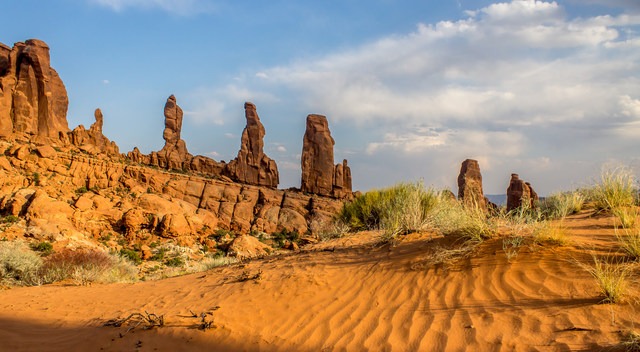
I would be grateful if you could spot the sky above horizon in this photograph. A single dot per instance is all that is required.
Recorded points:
(548, 90)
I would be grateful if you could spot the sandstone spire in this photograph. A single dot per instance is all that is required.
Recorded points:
(470, 191)
(319, 175)
(252, 165)
(174, 154)
(520, 193)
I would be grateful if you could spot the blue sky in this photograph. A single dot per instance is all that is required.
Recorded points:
(549, 90)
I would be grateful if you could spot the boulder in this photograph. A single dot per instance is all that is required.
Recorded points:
(470, 185)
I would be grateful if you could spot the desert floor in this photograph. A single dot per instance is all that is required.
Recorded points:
(347, 294)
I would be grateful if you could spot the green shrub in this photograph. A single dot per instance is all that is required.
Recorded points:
(280, 238)
(9, 219)
(626, 215)
(174, 262)
(82, 190)
(43, 247)
(131, 255)
(36, 179)
(400, 209)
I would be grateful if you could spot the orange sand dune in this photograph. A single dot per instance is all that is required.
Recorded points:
(345, 295)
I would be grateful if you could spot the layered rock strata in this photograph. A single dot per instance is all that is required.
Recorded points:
(520, 193)
(319, 175)
(33, 99)
(470, 191)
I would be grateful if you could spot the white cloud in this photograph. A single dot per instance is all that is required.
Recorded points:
(105, 81)
(179, 7)
(281, 149)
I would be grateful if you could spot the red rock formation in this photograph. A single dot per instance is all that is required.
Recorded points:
(470, 185)
(174, 154)
(520, 193)
(93, 141)
(33, 99)
(252, 165)
(319, 175)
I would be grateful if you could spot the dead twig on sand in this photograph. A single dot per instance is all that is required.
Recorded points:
(150, 321)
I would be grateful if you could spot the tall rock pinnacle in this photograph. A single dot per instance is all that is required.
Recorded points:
(252, 165)
(319, 175)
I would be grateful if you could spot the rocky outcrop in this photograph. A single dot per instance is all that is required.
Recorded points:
(319, 175)
(470, 191)
(252, 166)
(520, 193)
(33, 99)
(92, 140)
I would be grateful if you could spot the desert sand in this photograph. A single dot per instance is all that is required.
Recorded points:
(347, 294)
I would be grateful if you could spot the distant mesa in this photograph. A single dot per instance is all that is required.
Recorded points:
(319, 175)
(520, 193)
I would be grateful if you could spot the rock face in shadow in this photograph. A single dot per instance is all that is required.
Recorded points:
(33, 99)
(520, 193)
(93, 141)
(319, 175)
(470, 191)
(252, 166)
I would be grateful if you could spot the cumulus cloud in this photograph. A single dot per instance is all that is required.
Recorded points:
(179, 7)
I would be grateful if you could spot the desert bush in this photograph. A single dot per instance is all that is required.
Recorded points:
(548, 233)
(615, 189)
(9, 219)
(209, 263)
(629, 240)
(43, 247)
(612, 277)
(174, 262)
(626, 216)
(131, 255)
(327, 229)
(87, 265)
(402, 208)
(18, 264)
(450, 217)
(560, 205)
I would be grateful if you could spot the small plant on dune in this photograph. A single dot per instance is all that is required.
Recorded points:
(631, 342)
(612, 278)
(450, 217)
(209, 263)
(511, 246)
(615, 189)
(131, 255)
(626, 216)
(629, 240)
(554, 234)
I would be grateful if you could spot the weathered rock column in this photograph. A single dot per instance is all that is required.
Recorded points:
(470, 191)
